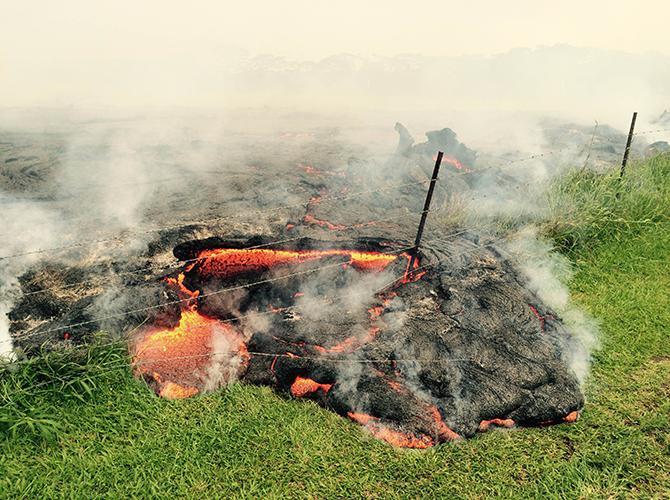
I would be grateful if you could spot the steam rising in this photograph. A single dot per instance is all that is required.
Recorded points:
(118, 172)
(547, 273)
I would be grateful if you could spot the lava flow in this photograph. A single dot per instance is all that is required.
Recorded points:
(185, 359)
(390, 435)
(179, 361)
(228, 262)
(450, 160)
(182, 360)
(304, 386)
(335, 337)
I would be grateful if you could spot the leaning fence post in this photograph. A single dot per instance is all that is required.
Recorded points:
(424, 214)
(628, 142)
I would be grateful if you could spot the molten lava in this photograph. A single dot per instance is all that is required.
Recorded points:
(231, 262)
(391, 436)
(202, 352)
(305, 386)
(540, 318)
(442, 429)
(310, 219)
(179, 360)
(171, 390)
(571, 417)
(485, 425)
(450, 160)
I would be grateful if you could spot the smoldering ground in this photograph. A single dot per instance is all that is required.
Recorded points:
(178, 193)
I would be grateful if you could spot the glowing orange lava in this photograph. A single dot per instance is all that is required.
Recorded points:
(229, 262)
(391, 436)
(450, 160)
(304, 386)
(442, 429)
(571, 417)
(310, 219)
(179, 359)
(485, 425)
(355, 342)
(170, 390)
(309, 169)
(541, 319)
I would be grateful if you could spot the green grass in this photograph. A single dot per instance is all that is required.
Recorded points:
(93, 432)
(588, 210)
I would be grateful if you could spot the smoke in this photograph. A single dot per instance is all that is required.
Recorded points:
(6, 345)
(226, 361)
(111, 172)
(548, 273)
(26, 228)
(320, 297)
(81, 188)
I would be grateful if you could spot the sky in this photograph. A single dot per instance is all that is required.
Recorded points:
(52, 52)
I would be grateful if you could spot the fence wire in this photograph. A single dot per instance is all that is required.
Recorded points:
(324, 358)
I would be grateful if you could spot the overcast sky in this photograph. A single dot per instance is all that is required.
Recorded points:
(46, 47)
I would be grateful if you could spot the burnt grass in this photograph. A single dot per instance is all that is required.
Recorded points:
(108, 433)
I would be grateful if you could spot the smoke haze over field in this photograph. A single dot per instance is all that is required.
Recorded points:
(561, 80)
(133, 93)
(368, 59)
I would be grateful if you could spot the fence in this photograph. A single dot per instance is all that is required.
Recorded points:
(586, 151)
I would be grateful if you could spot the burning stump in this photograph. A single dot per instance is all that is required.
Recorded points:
(455, 346)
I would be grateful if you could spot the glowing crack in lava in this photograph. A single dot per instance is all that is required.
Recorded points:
(227, 262)
(181, 361)
(391, 436)
(450, 160)
(351, 354)
(304, 386)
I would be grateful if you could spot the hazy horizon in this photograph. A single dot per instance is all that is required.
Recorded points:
(373, 54)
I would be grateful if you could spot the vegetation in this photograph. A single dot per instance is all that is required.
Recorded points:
(79, 425)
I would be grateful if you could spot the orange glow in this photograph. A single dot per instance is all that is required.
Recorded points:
(183, 292)
(304, 386)
(376, 311)
(170, 390)
(571, 417)
(315, 171)
(485, 425)
(309, 169)
(453, 162)
(310, 219)
(396, 386)
(176, 358)
(450, 160)
(442, 429)
(391, 436)
(537, 314)
(228, 262)
(361, 418)
(350, 344)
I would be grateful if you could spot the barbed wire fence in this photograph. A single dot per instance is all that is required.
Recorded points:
(123, 365)
(504, 162)
(327, 199)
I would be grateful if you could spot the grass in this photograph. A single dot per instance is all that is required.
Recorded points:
(95, 431)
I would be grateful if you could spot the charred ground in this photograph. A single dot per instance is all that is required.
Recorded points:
(423, 360)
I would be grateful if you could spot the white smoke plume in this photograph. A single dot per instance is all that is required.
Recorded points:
(124, 168)
(226, 361)
(548, 273)
(27, 228)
